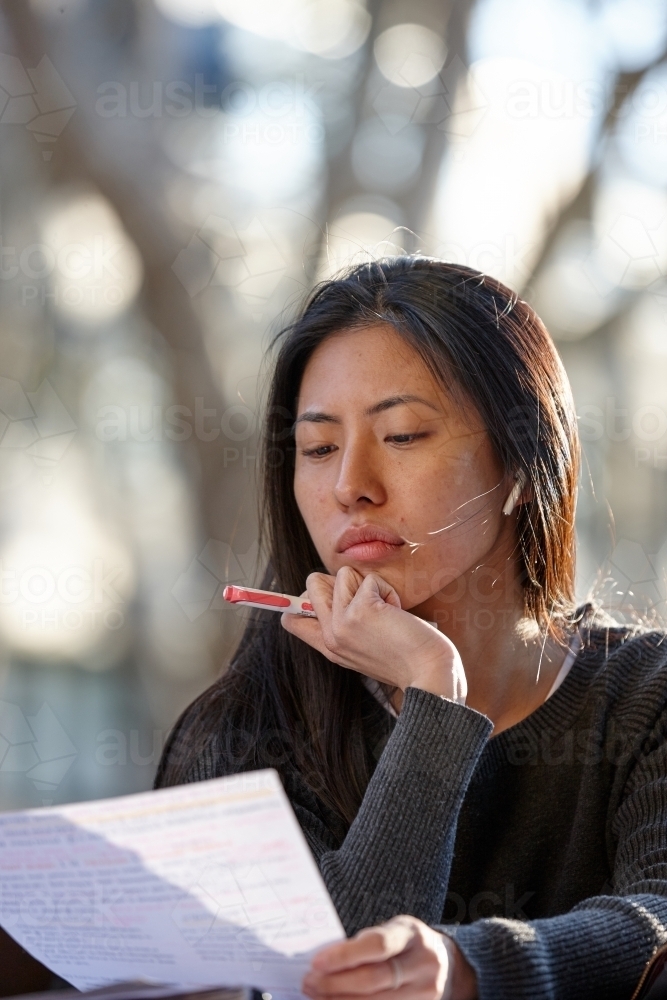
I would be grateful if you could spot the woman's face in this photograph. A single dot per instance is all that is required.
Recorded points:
(384, 451)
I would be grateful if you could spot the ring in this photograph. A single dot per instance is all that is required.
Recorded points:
(398, 973)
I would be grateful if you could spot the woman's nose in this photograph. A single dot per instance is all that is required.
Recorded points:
(358, 479)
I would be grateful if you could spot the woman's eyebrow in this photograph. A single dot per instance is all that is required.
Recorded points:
(319, 417)
(386, 404)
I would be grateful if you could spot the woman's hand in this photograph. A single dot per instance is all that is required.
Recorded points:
(401, 959)
(360, 625)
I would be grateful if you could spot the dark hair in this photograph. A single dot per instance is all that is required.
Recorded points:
(476, 337)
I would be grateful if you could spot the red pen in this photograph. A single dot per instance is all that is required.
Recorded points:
(268, 601)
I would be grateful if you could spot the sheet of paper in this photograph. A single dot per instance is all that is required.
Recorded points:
(210, 883)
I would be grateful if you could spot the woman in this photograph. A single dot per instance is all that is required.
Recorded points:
(477, 764)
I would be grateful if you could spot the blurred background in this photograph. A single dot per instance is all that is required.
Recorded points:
(174, 176)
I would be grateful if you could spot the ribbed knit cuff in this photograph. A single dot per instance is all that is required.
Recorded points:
(459, 725)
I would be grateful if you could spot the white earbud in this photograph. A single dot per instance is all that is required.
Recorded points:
(513, 498)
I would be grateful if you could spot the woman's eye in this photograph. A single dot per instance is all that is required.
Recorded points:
(406, 438)
(319, 452)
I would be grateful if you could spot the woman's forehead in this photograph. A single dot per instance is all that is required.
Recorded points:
(368, 357)
(376, 361)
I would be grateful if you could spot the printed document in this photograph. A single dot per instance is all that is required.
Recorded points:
(205, 884)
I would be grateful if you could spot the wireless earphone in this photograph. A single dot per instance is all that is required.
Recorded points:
(513, 498)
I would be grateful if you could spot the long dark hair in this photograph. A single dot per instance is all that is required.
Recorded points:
(477, 338)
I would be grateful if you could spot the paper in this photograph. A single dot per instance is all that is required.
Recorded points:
(205, 884)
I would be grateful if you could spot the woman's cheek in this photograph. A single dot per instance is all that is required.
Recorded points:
(416, 584)
(307, 492)
(315, 511)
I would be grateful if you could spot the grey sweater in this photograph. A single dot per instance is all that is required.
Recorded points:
(542, 851)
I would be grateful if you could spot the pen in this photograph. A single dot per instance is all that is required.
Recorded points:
(268, 601)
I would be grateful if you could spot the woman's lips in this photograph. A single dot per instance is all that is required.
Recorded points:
(368, 542)
(370, 551)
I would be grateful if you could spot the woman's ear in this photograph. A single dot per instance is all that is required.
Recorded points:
(517, 493)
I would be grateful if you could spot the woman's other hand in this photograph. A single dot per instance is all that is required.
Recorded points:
(403, 958)
(360, 625)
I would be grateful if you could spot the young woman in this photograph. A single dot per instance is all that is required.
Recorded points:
(479, 766)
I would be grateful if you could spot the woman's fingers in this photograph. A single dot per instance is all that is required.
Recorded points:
(376, 961)
(376, 585)
(347, 583)
(310, 631)
(372, 944)
(400, 959)
(377, 981)
(350, 584)
(319, 589)
(315, 631)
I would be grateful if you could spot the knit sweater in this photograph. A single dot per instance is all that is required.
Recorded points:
(542, 851)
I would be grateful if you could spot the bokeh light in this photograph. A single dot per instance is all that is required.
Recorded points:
(94, 268)
(409, 55)
(67, 585)
(332, 29)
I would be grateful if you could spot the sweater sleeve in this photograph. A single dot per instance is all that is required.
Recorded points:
(601, 946)
(397, 854)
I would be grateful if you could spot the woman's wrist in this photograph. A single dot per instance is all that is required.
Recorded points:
(462, 983)
(441, 682)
